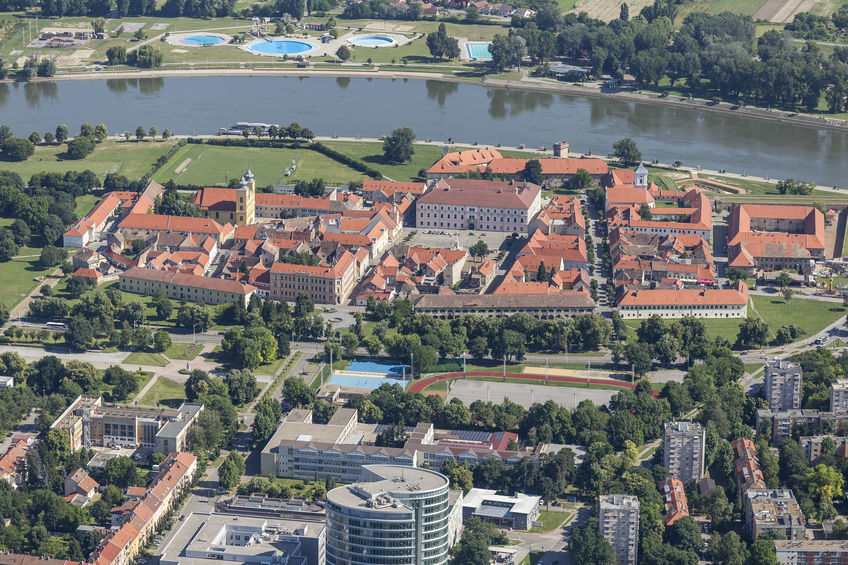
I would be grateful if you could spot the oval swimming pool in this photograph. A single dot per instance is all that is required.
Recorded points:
(280, 47)
(203, 40)
(372, 41)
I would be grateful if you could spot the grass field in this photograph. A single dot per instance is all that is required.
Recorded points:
(214, 165)
(84, 204)
(810, 315)
(371, 153)
(145, 358)
(270, 368)
(757, 187)
(744, 7)
(550, 519)
(726, 328)
(180, 351)
(18, 279)
(164, 391)
(131, 159)
(753, 367)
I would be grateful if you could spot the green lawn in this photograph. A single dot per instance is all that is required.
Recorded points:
(164, 391)
(215, 165)
(811, 315)
(145, 358)
(551, 520)
(371, 153)
(181, 351)
(269, 368)
(726, 328)
(84, 204)
(753, 367)
(130, 159)
(17, 279)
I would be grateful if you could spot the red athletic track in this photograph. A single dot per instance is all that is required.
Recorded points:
(424, 383)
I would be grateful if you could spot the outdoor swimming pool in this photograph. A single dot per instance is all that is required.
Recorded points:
(203, 40)
(360, 381)
(280, 47)
(478, 49)
(372, 41)
(374, 367)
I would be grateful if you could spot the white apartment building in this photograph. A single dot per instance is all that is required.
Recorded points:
(783, 385)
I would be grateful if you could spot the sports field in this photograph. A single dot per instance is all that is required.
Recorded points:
(216, 166)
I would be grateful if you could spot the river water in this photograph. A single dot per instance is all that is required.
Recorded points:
(371, 107)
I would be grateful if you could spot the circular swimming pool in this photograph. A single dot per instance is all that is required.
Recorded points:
(372, 41)
(280, 47)
(203, 40)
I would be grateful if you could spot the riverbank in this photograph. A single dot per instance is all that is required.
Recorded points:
(588, 90)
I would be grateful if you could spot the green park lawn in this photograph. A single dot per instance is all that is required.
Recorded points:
(810, 315)
(270, 368)
(85, 203)
(551, 520)
(131, 159)
(164, 391)
(216, 166)
(726, 328)
(181, 351)
(371, 153)
(145, 358)
(18, 279)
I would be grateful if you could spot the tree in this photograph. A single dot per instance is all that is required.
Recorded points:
(343, 53)
(121, 472)
(639, 355)
(61, 133)
(51, 256)
(824, 483)
(80, 147)
(147, 56)
(727, 549)
(125, 384)
(161, 340)
(140, 133)
(685, 534)
(197, 385)
(268, 416)
(44, 376)
(734, 274)
(100, 132)
(507, 51)
(763, 553)
(533, 171)
(166, 134)
(479, 249)
(753, 332)
(194, 316)
(17, 148)
(588, 546)
(153, 132)
(297, 393)
(20, 232)
(350, 343)
(163, 306)
(231, 470)
(34, 138)
(398, 147)
(441, 45)
(46, 68)
(241, 386)
(580, 180)
(624, 12)
(626, 151)
(49, 138)
(79, 334)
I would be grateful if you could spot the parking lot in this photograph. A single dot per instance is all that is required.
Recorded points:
(447, 238)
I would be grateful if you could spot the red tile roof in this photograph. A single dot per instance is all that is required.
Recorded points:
(688, 296)
(216, 199)
(482, 193)
(155, 222)
(674, 498)
(192, 281)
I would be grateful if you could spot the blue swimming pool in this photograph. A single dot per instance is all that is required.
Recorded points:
(280, 47)
(372, 41)
(203, 40)
(478, 49)
(358, 381)
(375, 367)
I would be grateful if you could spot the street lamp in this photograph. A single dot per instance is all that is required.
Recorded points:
(504, 377)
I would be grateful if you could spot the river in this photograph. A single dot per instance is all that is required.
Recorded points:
(371, 107)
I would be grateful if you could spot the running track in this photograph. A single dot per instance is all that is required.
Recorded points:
(419, 386)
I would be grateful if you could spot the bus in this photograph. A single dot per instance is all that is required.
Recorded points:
(56, 325)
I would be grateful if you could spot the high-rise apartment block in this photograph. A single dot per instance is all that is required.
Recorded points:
(783, 385)
(684, 444)
(618, 522)
(839, 395)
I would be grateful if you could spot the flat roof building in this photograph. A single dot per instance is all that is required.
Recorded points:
(511, 512)
(815, 551)
(838, 395)
(618, 522)
(394, 516)
(783, 385)
(683, 450)
(774, 509)
(207, 539)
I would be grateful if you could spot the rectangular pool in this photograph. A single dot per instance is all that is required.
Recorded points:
(361, 381)
(375, 367)
(478, 49)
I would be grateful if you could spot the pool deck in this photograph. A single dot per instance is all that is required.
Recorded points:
(328, 49)
(177, 38)
(464, 56)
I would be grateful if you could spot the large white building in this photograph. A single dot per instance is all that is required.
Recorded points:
(394, 516)
(618, 522)
(683, 450)
(467, 204)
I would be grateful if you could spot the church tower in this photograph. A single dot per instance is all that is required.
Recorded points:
(246, 200)
(640, 177)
